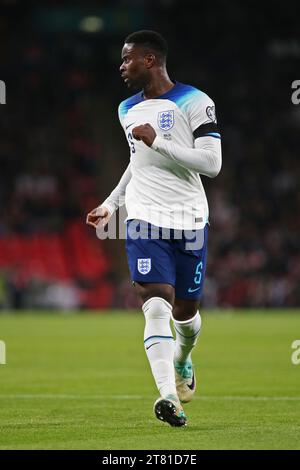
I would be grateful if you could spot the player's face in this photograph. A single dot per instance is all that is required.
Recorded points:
(133, 68)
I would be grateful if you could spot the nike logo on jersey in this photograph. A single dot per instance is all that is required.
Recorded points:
(126, 127)
(193, 290)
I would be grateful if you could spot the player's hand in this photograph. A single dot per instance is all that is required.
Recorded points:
(98, 215)
(145, 132)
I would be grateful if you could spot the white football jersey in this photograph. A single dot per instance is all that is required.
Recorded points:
(161, 191)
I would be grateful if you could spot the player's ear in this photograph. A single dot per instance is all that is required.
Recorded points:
(149, 60)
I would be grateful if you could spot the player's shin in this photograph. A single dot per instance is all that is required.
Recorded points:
(187, 333)
(159, 344)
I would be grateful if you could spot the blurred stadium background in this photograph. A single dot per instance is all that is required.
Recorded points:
(62, 149)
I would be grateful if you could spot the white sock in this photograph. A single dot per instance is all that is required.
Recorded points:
(187, 333)
(159, 344)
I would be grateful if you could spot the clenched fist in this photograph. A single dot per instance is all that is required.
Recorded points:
(145, 132)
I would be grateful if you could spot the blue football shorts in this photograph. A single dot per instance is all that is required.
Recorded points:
(167, 256)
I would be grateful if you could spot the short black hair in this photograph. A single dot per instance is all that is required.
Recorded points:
(150, 40)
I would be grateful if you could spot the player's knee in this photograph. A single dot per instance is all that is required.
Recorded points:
(185, 310)
(148, 291)
(157, 308)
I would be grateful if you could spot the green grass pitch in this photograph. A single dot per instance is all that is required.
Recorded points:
(82, 381)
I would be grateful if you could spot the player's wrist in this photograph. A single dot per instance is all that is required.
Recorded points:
(157, 143)
(109, 206)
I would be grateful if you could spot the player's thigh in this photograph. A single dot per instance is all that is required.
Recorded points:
(147, 290)
(190, 269)
(151, 262)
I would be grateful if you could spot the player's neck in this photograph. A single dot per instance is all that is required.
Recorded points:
(159, 85)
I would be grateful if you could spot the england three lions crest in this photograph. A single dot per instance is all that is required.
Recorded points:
(165, 120)
(144, 265)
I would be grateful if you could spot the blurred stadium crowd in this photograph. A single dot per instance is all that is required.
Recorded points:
(62, 150)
